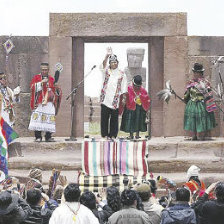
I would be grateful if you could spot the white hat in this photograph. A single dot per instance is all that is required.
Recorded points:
(193, 171)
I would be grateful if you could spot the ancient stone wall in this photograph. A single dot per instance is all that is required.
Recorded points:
(171, 56)
(23, 62)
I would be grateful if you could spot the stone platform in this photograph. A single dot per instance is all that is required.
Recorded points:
(170, 157)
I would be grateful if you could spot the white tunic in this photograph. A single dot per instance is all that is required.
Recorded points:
(43, 118)
(6, 98)
(115, 74)
(63, 215)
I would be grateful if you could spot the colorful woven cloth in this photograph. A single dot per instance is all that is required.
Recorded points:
(93, 184)
(7, 135)
(103, 158)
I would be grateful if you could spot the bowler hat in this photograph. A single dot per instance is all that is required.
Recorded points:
(137, 80)
(198, 67)
(6, 203)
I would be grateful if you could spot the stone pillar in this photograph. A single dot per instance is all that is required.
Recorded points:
(175, 70)
(135, 57)
(155, 83)
(60, 50)
(77, 76)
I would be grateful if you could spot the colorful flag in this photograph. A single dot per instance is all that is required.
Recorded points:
(7, 135)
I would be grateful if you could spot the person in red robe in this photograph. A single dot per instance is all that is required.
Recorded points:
(136, 107)
(44, 102)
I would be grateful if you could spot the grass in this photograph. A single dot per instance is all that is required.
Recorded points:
(94, 130)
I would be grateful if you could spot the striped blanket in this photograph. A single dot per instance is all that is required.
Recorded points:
(104, 158)
(93, 184)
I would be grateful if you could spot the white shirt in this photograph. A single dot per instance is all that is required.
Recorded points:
(7, 94)
(63, 215)
(115, 74)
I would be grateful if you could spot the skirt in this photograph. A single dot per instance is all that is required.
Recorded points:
(134, 120)
(43, 118)
(196, 117)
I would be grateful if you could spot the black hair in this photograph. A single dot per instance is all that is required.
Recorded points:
(72, 192)
(144, 195)
(88, 199)
(153, 186)
(163, 201)
(128, 197)
(113, 198)
(219, 192)
(139, 200)
(196, 179)
(33, 196)
(182, 194)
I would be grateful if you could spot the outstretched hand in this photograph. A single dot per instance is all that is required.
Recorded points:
(211, 187)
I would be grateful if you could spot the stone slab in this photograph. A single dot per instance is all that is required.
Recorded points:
(118, 24)
(205, 46)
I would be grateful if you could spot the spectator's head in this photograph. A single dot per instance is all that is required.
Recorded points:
(113, 198)
(33, 197)
(36, 173)
(34, 183)
(58, 193)
(182, 194)
(6, 203)
(72, 192)
(143, 190)
(129, 197)
(88, 199)
(219, 191)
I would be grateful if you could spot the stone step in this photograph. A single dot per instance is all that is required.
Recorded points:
(165, 154)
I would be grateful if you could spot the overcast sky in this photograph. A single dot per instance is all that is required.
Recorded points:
(31, 17)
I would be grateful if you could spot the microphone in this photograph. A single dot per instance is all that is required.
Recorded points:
(94, 66)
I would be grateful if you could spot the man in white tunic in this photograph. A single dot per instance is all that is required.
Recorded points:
(114, 85)
(72, 211)
(45, 100)
(8, 98)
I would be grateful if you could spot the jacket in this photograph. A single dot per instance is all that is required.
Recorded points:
(209, 211)
(179, 213)
(129, 215)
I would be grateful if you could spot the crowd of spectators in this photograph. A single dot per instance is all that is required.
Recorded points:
(64, 203)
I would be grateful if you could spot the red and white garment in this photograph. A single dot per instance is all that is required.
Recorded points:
(44, 100)
(115, 84)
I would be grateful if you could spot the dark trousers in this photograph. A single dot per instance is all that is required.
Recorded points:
(109, 118)
(38, 135)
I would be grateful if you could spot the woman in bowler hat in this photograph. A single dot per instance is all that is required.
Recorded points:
(199, 111)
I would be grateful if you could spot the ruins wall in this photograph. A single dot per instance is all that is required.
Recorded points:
(171, 56)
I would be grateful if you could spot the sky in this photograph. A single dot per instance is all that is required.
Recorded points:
(31, 17)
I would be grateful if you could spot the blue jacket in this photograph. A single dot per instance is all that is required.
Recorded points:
(180, 213)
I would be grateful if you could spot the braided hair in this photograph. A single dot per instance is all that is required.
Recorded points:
(113, 198)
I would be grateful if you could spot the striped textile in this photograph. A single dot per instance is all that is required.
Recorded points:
(7, 135)
(104, 158)
(93, 184)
